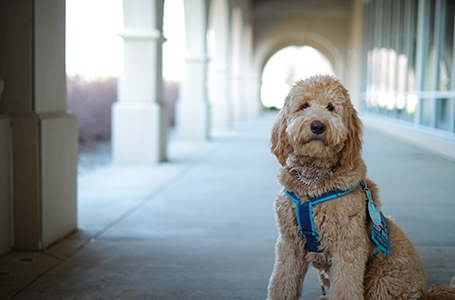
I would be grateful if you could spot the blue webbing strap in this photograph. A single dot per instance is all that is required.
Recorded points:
(305, 215)
(304, 219)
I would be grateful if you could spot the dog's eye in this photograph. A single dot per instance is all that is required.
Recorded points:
(305, 106)
(330, 108)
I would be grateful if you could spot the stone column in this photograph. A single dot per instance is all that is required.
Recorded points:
(237, 60)
(252, 80)
(192, 109)
(254, 107)
(354, 60)
(139, 122)
(221, 107)
(6, 204)
(43, 135)
(219, 92)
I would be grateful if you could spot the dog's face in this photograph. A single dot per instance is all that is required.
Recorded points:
(317, 120)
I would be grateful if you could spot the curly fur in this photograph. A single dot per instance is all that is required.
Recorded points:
(347, 267)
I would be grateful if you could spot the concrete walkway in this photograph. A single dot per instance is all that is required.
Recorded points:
(201, 226)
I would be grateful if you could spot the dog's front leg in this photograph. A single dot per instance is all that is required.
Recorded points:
(347, 272)
(289, 271)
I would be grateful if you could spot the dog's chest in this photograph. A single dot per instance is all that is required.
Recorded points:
(320, 261)
(330, 218)
(287, 220)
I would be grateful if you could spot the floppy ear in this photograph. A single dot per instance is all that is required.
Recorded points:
(279, 144)
(353, 144)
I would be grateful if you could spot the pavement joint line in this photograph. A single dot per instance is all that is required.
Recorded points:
(431, 177)
(179, 176)
(185, 170)
(444, 185)
(40, 275)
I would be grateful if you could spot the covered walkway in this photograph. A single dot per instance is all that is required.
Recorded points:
(201, 225)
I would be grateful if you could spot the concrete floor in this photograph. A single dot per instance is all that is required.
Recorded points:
(201, 226)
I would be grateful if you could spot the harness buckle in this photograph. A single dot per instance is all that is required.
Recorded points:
(305, 232)
(365, 188)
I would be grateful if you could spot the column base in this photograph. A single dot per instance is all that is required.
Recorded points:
(221, 116)
(138, 133)
(238, 99)
(59, 150)
(192, 121)
(253, 101)
(44, 169)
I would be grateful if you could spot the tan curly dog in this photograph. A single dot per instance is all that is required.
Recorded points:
(317, 140)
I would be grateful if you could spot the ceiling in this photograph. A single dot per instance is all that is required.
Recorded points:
(293, 8)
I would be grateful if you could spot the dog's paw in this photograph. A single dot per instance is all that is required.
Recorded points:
(323, 298)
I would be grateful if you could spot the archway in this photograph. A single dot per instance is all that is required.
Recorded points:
(288, 65)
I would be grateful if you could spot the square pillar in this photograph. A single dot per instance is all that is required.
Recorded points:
(192, 109)
(6, 204)
(136, 132)
(221, 108)
(44, 137)
(139, 118)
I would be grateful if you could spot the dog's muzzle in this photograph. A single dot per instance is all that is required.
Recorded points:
(317, 127)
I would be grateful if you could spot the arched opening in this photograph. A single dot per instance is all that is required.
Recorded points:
(93, 65)
(287, 66)
(173, 54)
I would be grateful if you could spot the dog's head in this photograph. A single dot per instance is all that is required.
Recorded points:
(317, 120)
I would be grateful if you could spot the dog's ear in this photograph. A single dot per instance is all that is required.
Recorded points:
(353, 144)
(279, 144)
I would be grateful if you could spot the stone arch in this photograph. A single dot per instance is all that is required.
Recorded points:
(314, 40)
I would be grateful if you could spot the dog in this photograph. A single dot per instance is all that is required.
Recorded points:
(357, 252)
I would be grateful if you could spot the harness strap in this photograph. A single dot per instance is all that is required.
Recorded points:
(304, 211)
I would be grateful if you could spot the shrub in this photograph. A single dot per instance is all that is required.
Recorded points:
(171, 95)
(91, 101)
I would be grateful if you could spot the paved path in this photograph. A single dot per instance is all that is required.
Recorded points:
(201, 226)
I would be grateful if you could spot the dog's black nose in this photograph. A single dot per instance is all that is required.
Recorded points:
(317, 127)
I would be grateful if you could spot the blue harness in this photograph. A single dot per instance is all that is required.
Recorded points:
(304, 211)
